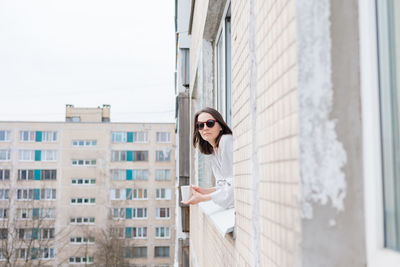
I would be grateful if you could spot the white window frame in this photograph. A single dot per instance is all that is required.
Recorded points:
(4, 193)
(83, 201)
(163, 137)
(49, 136)
(164, 178)
(28, 192)
(83, 181)
(84, 143)
(82, 260)
(161, 157)
(158, 212)
(83, 162)
(136, 191)
(81, 240)
(143, 232)
(143, 137)
(166, 229)
(7, 154)
(221, 100)
(49, 155)
(115, 192)
(377, 254)
(3, 174)
(48, 194)
(27, 173)
(26, 155)
(30, 138)
(6, 134)
(117, 174)
(119, 155)
(118, 213)
(119, 137)
(163, 193)
(3, 213)
(83, 220)
(135, 213)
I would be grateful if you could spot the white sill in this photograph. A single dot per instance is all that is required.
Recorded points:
(223, 219)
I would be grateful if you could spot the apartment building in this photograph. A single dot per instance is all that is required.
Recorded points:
(310, 89)
(86, 191)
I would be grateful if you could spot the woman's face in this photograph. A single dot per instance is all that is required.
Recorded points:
(208, 134)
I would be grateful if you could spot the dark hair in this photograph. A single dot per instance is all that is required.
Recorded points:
(205, 146)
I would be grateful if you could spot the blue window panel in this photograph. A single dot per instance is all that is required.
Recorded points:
(129, 137)
(38, 155)
(128, 175)
(128, 232)
(36, 174)
(38, 137)
(35, 233)
(34, 253)
(36, 194)
(128, 213)
(129, 194)
(35, 213)
(129, 156)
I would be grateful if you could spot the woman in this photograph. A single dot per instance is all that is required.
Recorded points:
(214, 138)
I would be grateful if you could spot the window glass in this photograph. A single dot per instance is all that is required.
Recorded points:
(388, 15)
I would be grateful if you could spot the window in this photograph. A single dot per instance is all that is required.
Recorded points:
(47, 233)
(118, 213)
(81, 240)
(4, 194)
(49, 136)
(223, 69)
(24, 213)
(4, 174)
(139, 213)
(84, 143)
(117, 194)
(118, 137)
(139, 252)
(24, 194)
(389, 63)
(3, 233)
(162, 232)
(82, 220)
(5, 136)
(83, 201)
(139, 232)
(140, 155)
(49, 155)
(162, 213)
(26, 174)
(48, 194)
(45, 213)
(163, 175)
(82, 181)
(140, 175)
(83, 162)
(139, 194)
(25, 233)
(26, 155)
(117, 174)
(161, 251)
(48, 174)
(118, 155)
(163, 137)
(163, 193)
(81, 260)
(76, 119)
(185, 66)
(3, 213)
(117, 232)
(140, 137)
(27, 136)
(5, 154)
(163, 155)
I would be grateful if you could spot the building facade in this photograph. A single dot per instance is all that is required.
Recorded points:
(310, 90)
(85, 190)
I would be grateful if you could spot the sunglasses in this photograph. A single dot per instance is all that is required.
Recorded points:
(209, 123)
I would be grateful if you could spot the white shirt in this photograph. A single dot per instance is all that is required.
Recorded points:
(222, 167)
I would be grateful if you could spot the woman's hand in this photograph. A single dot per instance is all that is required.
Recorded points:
(202, 191)
(196, 197)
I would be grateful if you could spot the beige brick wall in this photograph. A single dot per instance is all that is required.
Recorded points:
(276, 139)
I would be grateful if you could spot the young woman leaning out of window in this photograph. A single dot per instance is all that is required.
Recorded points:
(214, 138)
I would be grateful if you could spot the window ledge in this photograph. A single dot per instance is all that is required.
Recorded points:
(223, 219)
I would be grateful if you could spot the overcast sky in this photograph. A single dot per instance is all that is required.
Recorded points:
(87, 53)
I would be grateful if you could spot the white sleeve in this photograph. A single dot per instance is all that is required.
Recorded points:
(224, 196)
